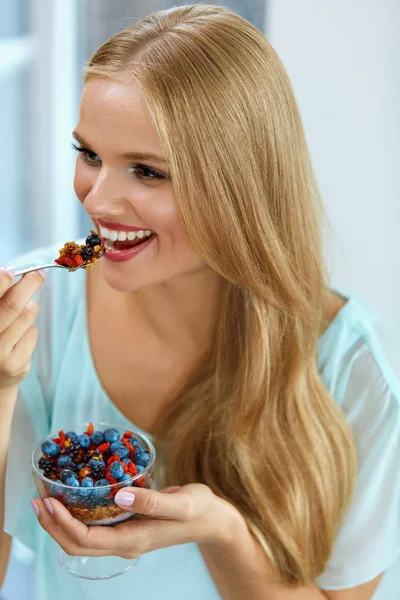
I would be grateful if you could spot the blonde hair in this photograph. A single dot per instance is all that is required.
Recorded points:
(257, 425)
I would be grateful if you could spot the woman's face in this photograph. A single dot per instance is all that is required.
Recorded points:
(122, 180)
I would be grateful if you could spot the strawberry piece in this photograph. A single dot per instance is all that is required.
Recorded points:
(90, 429)
(104, 447)
(78, 260)
(132, 470)
(66, 261)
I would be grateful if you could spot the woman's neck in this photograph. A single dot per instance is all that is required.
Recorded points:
(184, 309)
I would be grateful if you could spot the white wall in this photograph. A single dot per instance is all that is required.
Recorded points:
(343, 58)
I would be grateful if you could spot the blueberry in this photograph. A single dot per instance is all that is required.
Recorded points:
(64, 460)
(50, 448)
(98, 437)
(55, 490)
(141, 457)
(86, 487)
(66, 474)
(134, 441)
(122, 452)
(127, 461)
(87, 253)
(71, 435)
(87, 482)
(116, 470)
(139, 468)
(116, 445)
(93, 240)
(102, 482)
(99, 491)
(125, 477)
(72, 481)
(111, 435)
(84, 440)
(81, 466)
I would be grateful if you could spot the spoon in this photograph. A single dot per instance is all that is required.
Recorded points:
(52, 266)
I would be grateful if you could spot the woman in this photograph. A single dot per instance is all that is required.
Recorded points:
(272, 395)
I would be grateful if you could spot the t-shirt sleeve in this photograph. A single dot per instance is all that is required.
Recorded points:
(31, 422)
(368, 542)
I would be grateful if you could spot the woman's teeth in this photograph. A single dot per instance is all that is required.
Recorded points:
(122, 236)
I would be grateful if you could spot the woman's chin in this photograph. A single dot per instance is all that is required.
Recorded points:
(124, 282)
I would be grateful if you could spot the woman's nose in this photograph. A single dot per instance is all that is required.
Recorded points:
(105, 197)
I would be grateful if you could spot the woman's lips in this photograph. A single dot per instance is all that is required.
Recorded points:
(118, 226)
(115, 255)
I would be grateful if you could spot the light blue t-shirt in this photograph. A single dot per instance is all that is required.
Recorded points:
(359, 361)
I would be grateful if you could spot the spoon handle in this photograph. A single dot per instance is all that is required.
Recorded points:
(36, 268)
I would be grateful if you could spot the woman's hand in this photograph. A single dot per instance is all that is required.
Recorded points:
(18, 335)
(175, 515)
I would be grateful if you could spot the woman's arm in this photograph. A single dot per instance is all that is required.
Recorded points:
(8, 398)
(180, 515)
(241, 571)
(5, 544)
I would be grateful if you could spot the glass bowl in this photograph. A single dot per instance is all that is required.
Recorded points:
(93, 505)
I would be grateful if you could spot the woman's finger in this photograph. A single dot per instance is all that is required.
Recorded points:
(108, 540)
(16, 297)
(14, 332)
(6, 279)
(182, 504)
(62, 538)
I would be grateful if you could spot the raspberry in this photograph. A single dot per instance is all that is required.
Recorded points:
(49, 467)
(72, 446)
(46, 463)
(97, 468)
(87, 253)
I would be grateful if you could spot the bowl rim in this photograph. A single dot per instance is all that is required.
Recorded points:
(111, 486)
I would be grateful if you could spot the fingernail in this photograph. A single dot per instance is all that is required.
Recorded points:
(42, 272)
(48, 505)
(125, 498)
(8, 270)
(35, 507)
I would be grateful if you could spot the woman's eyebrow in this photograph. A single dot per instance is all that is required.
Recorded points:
(127, 155)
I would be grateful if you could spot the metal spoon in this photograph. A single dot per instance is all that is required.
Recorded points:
(51, 266)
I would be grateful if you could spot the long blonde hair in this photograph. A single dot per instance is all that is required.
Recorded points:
(257, 425)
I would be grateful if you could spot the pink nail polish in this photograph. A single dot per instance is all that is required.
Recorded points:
(125, 498)
(48, 505)
(8, 270)
(42, 272)
(35, 507)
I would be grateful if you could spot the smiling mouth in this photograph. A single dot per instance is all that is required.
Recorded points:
(124, 240)
(128, 244)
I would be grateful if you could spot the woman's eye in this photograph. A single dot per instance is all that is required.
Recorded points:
(143, 172)
(88, 156)
(140, 171)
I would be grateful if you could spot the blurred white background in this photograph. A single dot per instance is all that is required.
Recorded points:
(343, 60)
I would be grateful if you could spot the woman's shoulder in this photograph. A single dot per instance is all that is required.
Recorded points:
(360, 350)
(360, 366)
